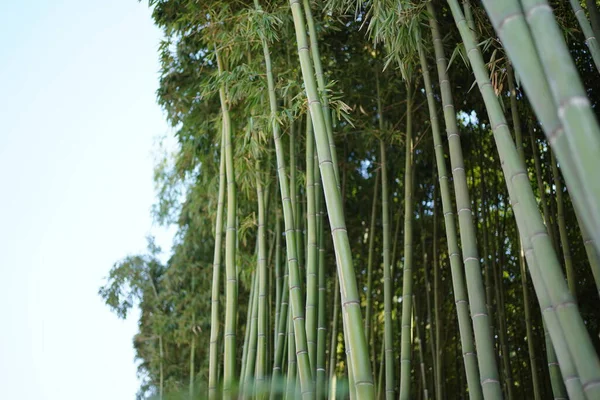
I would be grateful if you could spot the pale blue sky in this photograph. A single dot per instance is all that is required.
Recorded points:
(78, 123)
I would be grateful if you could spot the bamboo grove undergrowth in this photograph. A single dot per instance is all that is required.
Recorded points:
(332, 243)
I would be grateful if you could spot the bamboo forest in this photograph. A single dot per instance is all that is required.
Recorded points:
(374, 199)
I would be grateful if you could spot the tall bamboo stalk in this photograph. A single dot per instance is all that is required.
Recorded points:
(355, 338)
(387, 278)
(316, 58)
(475, 287)
(369, 295)
(438, 351)
(407, 278)
(247, 388)
(312, 251)
(322, 329)
(558, 342)
(231, 290)
(261, 345)
(334, 336)
(460, 295)
(525, 289)
(213, 373)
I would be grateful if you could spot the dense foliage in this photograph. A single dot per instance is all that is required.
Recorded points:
(290, 116)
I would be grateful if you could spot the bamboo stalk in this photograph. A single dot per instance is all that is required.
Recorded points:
(213, 374)
(456, 266)
(407, 278)
(261, 345)
(312, 252)
(355, 338)
(231, 286)
(590, 38)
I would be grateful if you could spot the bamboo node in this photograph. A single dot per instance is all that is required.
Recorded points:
(490, 380)
(591, 384)
(506, 19)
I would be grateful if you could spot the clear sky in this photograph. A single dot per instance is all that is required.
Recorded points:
(78, 124)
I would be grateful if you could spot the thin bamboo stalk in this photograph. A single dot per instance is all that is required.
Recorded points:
(369, 295)
(387, 278)
(524, 288)
(213, 374)
(562, 227)
(312, 252)
(231, 286)
(407, 278)
(247, 390)
(460, 295)
(261, 345)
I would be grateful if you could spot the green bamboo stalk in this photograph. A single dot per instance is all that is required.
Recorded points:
(590, 250)
(334, 336)
(213, 374)
(487, 264)
(292, 371)
(293, 187)
(549, 313)
(562, 226)
(556, 380)
(475, 287)
(578, 340)
(380, 390)
(530, 338)
(469, 16)
(231, 290)
(369, 300)
(247, 332)
(161, 387)
(541, 186)
(292, 253)
(460, 295)
(355, 338)
(192, 354)
(592, 9)
(525, 289)
(282, 330)
(261, 346)
(395, 241)
(278, 277)
(312, 251)
(407, 278)
(421, 355)
(438, 351)
(502, 332)
(427, 320)
(387, 278)
(247, 390)
(316, 58)
(321, 387)
(590, 38)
